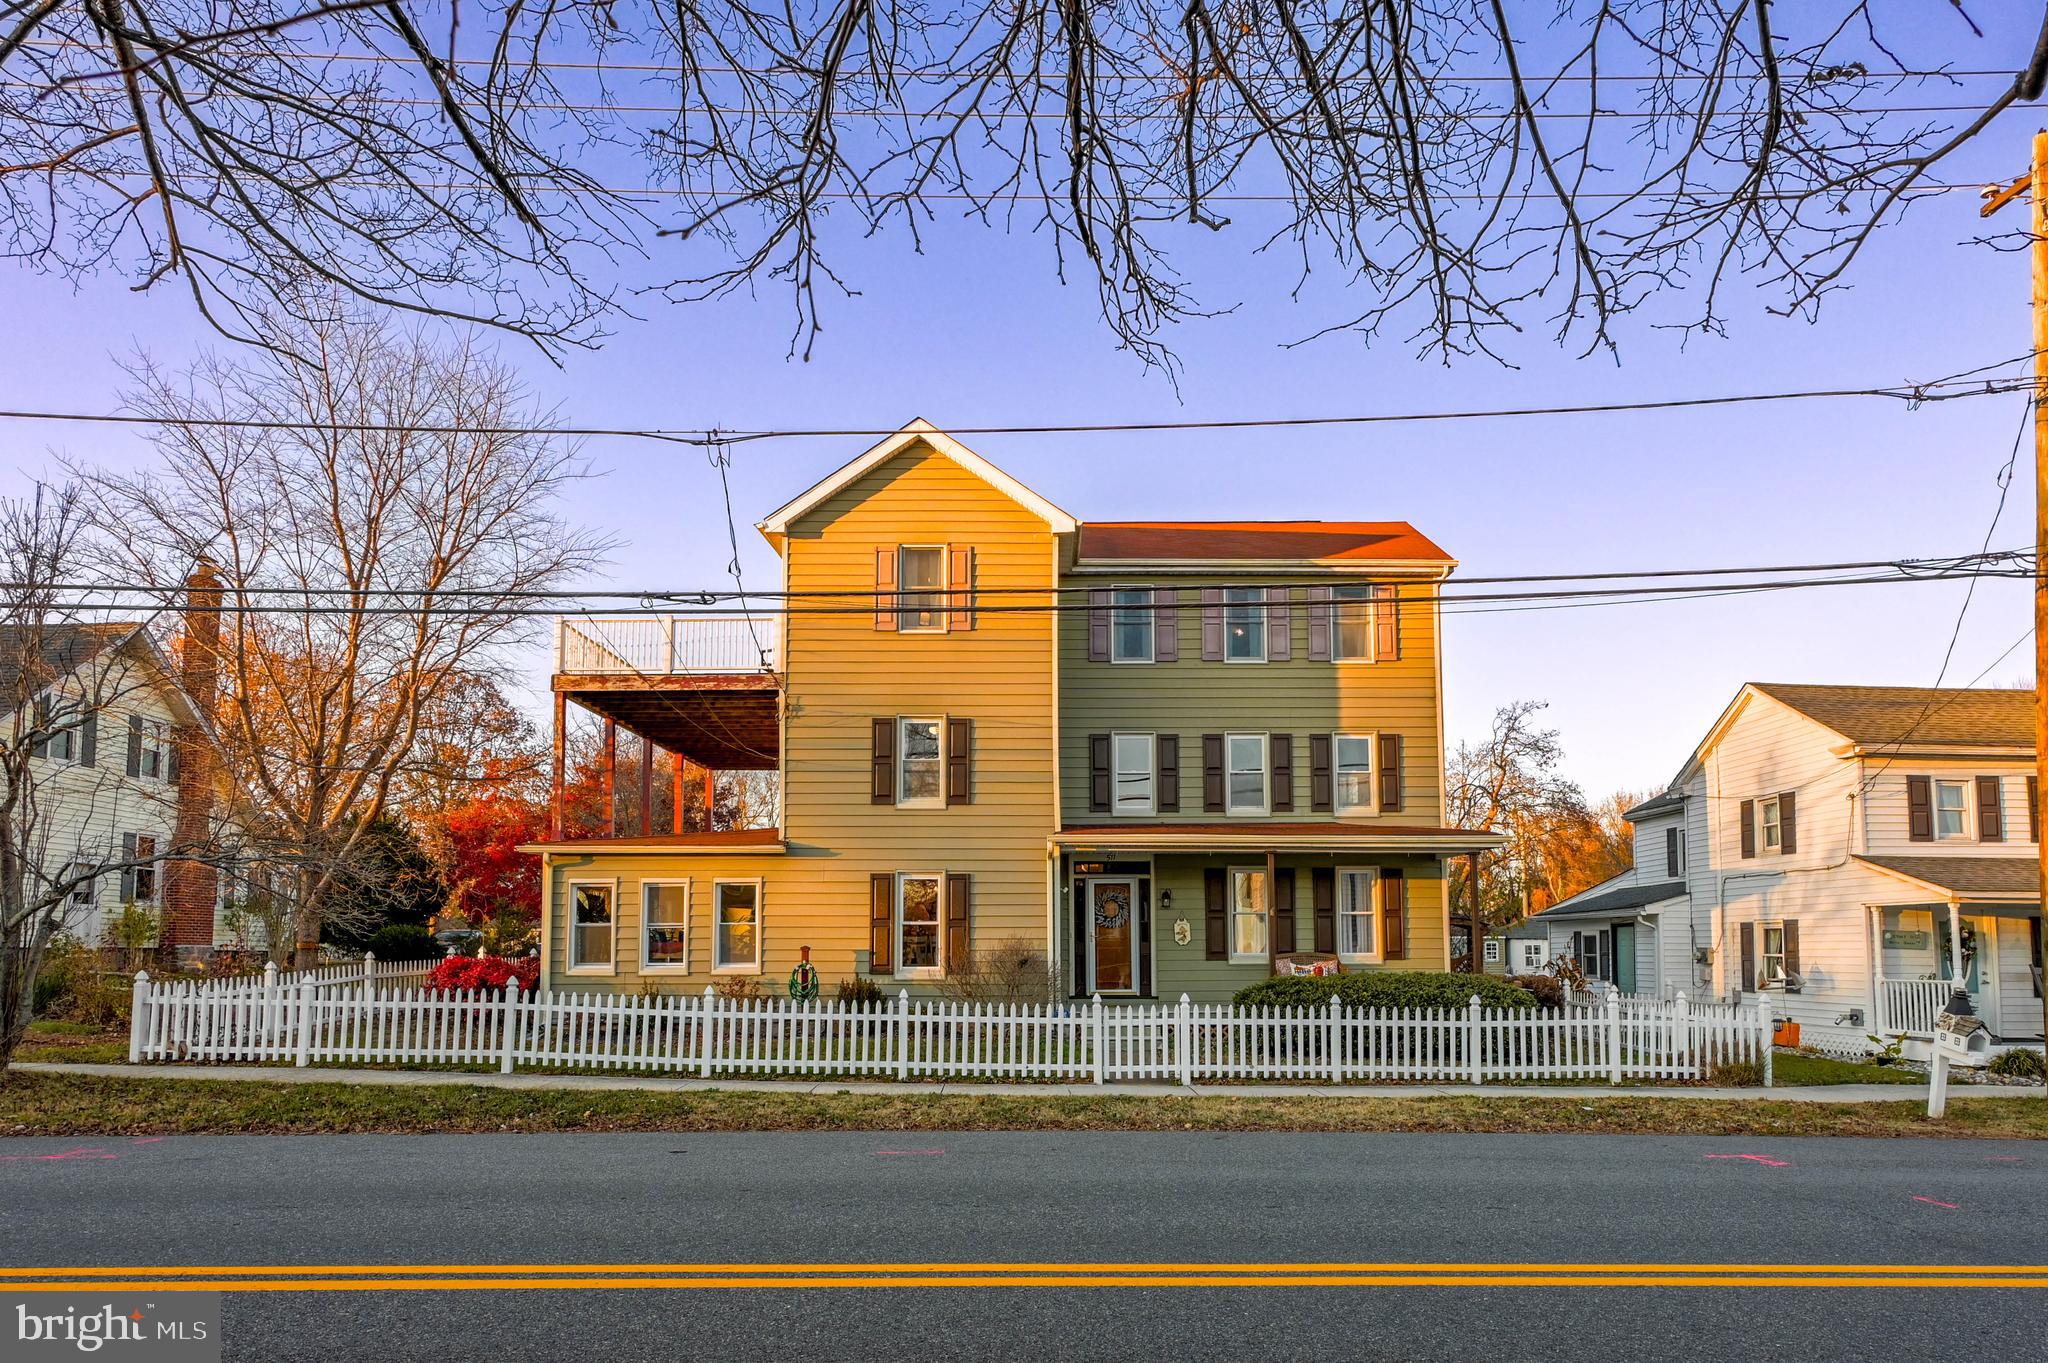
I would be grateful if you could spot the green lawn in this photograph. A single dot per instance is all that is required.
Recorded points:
(1800, 1070)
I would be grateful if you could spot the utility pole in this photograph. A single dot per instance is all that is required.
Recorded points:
(2035, 185)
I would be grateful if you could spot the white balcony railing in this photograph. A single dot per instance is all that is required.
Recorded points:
(1910, 1006)
(665, 645)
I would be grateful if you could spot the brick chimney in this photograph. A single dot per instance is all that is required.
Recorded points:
(191, 887)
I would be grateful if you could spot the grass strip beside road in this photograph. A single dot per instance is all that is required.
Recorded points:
(46, 1104)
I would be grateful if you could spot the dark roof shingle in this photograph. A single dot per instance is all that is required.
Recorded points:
(1964, 875)
(1617, 901)
(59, 650)
(1311, 541)
(1919, 714)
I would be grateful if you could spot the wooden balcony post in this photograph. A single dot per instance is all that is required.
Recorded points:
(710, 795)
(611, 778)
(675, 761)
(646, 786)
(555, 777)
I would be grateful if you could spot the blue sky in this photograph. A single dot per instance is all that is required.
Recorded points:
(976, 331)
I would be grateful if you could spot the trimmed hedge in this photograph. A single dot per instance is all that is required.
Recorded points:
(1384, 989)
(404, 942)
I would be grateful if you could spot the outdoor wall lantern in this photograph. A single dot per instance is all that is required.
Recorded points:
(1166, 901)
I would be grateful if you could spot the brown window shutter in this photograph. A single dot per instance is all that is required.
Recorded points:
(883, 760)
(1792, 947)
(1386, 623)
(959, 922)
(960, 581)
(1098, 773)
(1212, 624)
(1748, 957)
(1280, 753)
(1394, 915)
(1322, 894)
(1168, 756)
(1212, 773)
(1279, 625)
(885, 587)
(1166, 625)
(1319, 624)
(959, 761)
(1788, 822)
(1215, 916)
(881, 924)
(1283, 910)
(1390, 773)
(1671, 852)
(89, 741)
(1098, 624)
(1747, 814)
(1990, 809)
(1321, 790)
(2033, 809)
(1920, 808)
(135, 745)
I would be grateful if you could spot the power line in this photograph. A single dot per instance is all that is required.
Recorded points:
(1908, 393)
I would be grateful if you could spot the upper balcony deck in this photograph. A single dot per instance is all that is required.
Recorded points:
(706, 687)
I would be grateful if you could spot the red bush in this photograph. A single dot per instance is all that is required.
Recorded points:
(467, 974)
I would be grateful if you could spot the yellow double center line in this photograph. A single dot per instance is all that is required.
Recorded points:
(525, 1277)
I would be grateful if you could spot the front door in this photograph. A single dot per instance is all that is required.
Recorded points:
(1625, 957)
(1113, 933)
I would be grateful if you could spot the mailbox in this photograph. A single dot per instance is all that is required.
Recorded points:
(1960, 1036)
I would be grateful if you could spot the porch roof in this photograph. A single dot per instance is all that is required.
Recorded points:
(756, 840)
(2012, 879)
(1625, 900)
(1259, 835)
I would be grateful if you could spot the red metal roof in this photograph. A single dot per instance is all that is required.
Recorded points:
(1252, 828)
(1271, 540)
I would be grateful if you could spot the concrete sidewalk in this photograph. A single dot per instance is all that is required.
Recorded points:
(597, 1083)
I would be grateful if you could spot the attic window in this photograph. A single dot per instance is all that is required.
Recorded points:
(921, 578)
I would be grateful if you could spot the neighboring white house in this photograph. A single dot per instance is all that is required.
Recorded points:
(1852, 850)
(1523, 949)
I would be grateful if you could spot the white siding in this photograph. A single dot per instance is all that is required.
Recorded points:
(1890, 834)
(2019, 1007)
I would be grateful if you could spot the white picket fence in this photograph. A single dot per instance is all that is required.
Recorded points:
(309, 1022)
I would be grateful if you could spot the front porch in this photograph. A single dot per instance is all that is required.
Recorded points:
(1968, 921)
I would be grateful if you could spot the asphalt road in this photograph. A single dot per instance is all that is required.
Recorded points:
(1060, 1199)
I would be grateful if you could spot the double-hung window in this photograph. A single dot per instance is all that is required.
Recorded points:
(142, 879)
(1951, 809)
(1351, 625)
(1245, 773)
(1590, 960)
(1358, 937)
(1493, 951)
(921, 582)
(1353, 762)
(1771, 825)
(920, 760)
(918, 927)
(1130, 625)
(591, 925)
(81, 895)
(736, 926)
(1247, 914)
(1773, 958)
(1132, 773)
(665, 924)
(1244, 624)
(155, 749)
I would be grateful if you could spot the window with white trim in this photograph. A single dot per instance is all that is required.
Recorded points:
(1772, 957)
(1951, 809)
(82, 893)
(1244, 773)
(1244, 624)
(1351, 613)
(736, 926)
(665, 924)
(591, 924)
(142, 879)
(920, 930)
(1130, 625)
(1493, 951)
(1352, 760)
(156, 749)
(1770, 825)
(1358, 937)
(1591, 962)
(921, 582)
(1131, 773)
(1247, 914)
(920, 762)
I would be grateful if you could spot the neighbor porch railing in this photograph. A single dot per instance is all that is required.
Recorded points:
(665, 645)
(1911, 1006)
(309, 1022)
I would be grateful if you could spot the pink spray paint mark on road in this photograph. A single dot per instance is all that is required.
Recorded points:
(145, 1140)
(910, 1152)
(82, 1152)
(1758, 1159)
(2001, 1159)
(1934, 1202)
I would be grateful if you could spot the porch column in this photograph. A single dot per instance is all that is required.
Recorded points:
(1878, 1021)
(646, 786)
(1472, 917)
(555, 772)
(1273, 913)
(1955, 942)
(611, 779)
(675, 760)
(710, 795)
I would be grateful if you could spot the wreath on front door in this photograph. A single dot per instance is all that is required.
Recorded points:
(1112, 909)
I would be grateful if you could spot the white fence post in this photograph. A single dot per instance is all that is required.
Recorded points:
(507, 1021)
(902, 1035)
(1101, 1043)
(1687, 1065)
(1614, 1038)
(1763, 1032)
(706, 1030)
(138, 1016)
(1472, 1040)
(1184, 1041)
(270, 1034)
(303, 1056)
